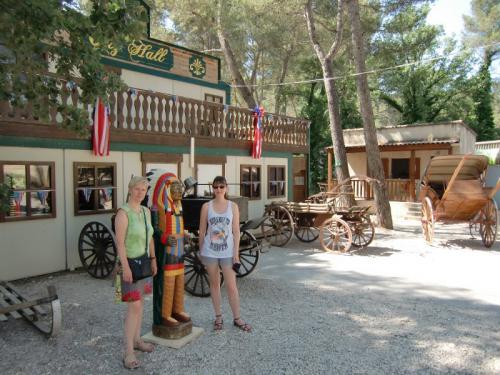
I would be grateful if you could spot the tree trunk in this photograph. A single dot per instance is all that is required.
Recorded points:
(244, 91)
(279, 89)
(340, 167)
(375, 167)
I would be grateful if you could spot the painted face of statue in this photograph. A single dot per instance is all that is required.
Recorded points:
(176, 189)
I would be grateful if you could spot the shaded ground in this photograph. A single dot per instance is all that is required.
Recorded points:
(399, 306)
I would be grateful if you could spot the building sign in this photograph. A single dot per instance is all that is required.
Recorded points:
(142, 52)
(197, 66)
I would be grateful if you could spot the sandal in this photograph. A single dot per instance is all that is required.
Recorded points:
(145, 347)
(219, 323)
(130, 362)
(242, 325)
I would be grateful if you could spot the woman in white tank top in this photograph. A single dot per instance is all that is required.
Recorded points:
(219, 248)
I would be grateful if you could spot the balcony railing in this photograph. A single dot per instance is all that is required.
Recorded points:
(398, 189)
(155, 114)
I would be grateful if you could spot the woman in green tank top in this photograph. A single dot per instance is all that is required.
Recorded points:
(134, 234)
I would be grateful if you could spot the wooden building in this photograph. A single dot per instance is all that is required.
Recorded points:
(176, 115)
(405, 151)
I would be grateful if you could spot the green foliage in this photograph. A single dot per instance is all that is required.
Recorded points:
(41, 37)
(5, 193)
(420, 93)
(483, 125)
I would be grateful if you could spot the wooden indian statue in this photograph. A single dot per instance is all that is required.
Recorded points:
(169, 318)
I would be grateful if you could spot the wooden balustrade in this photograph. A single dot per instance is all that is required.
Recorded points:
(397, 189)
(155, 113)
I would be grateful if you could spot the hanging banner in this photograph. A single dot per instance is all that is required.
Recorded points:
(258, 113)
(100, 133)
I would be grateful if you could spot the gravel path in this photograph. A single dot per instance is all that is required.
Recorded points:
(399, 306)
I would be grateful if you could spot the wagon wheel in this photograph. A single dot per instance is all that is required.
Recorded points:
(47, 314)
(305, 230)
(335, 235)
(277, 228)
(249, 253)
(363, 232)
(474, 226)
(195, 275)
(97, 249)
(427, 220)
(488, 223)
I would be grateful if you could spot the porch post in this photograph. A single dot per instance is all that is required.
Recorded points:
(411, 185)
(329, 181)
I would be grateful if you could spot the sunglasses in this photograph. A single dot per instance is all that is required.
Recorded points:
(218, 186)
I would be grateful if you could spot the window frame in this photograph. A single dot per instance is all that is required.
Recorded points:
(27, 164)
(269, 181)
(95, 165)
(259, 167)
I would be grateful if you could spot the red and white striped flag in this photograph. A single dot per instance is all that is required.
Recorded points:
(100, 134)
(258, 113)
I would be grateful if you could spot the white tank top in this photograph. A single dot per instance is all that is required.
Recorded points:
(218, 241)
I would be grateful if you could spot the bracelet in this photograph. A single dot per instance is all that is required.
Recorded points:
(152, 257)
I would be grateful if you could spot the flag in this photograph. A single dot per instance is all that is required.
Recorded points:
(100, 134)
(258, 113)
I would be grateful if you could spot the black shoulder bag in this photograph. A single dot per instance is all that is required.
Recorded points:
(141, 266)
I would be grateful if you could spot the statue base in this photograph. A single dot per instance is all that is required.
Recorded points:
(177, 332)
(174, 344)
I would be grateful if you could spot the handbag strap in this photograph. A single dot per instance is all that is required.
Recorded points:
(146, 225)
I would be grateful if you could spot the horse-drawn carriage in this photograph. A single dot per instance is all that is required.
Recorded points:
(452, 190)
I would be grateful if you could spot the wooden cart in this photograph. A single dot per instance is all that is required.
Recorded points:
(452, 190)
(43, 312)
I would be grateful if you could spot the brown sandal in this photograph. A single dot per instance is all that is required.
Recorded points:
(130, 362)
(242, 325)
(145, 347)
(219, 323)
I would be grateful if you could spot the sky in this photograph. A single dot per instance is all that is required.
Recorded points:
(449, 14)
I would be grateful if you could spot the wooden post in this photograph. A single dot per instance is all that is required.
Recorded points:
(329, 181)
(412, 176)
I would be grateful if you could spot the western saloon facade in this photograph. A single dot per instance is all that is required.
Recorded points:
(176, 115)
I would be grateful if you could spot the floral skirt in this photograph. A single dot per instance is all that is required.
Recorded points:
(130, 292)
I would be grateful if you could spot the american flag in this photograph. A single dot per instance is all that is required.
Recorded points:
(258, 113)
(100, 135)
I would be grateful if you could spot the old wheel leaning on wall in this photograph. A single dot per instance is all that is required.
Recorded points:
(97, 249)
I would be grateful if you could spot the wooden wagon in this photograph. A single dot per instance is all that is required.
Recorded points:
(452, 190)
(329, 215)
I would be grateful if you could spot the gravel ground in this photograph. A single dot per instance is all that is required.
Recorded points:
(399, 306)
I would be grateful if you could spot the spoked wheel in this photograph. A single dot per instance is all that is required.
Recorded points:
(97, 249)
(305, 230)
(277, 228)
(488, 223)
(335, 235)
(427, 220)
(249, 253)
(196, 276)
(363, 232)
(474, 227)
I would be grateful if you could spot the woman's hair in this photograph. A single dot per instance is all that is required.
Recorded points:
(136, 180)
(220, 180)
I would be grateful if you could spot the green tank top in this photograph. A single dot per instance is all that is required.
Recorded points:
(135, 238)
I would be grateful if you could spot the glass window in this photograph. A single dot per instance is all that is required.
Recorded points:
(250, 181)
(276, 181)
(95, 188)
(33, 189)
